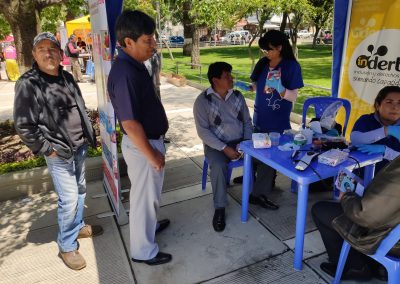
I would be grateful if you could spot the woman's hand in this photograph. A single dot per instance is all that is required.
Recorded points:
(371, 148)
(394, 130)
(268, 90)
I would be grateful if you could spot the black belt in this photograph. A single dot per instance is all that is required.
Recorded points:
(155, 137)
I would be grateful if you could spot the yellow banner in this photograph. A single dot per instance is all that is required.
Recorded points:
(372, 57)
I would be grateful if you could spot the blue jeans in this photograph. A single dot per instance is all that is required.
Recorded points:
(70, 185)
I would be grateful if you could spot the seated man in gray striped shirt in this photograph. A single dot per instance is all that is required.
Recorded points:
(222, 122)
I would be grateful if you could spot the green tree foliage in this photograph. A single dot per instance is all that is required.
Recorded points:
(299, 14)
(75, 8)
(145, 6)
(50, 17)
(5, 28)
(196, 14)
(263, 11)
(25, 20)
(321, 14)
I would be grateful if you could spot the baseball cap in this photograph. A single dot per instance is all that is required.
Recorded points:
(45, 35)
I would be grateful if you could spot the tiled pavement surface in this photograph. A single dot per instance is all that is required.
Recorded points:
(260, 251)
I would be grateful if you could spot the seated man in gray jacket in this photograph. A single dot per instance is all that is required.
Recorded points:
(222, 122)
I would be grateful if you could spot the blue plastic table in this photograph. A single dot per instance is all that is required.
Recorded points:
(282, 162)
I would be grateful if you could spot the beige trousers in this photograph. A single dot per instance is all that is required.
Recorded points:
(76, 69)
(146, 186)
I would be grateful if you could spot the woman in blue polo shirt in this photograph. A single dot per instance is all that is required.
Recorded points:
(372, 132)
(276, 79)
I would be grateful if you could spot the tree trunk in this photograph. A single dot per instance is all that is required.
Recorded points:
(23, 17)
(317, 30)
(25, 25)
(187, 29)
(195, 46)
(169, 49)
(70, 16)
(284, 21)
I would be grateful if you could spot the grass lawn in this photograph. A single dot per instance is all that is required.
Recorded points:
(315, 63)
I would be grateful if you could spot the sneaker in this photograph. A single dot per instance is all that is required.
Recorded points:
(89, 231)
(73, 259)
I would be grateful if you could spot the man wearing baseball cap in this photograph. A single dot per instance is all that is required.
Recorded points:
(50, 118)
(72, 51)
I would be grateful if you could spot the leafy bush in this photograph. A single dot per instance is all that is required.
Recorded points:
(15, 160)
(22, 165)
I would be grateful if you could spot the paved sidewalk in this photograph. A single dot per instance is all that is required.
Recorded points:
(260, 251)
(7, 97)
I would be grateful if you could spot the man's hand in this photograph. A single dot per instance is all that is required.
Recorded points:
(137, 135)
(158, 160)
(231, 153)
(394, 130)
(371, 149)
(53, 154)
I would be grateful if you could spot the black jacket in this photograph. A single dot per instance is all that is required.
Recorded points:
(38, 121)
(368, 220)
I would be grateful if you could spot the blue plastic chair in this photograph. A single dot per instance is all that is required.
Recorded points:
(231, 165)
(392, 264)
(320, 104)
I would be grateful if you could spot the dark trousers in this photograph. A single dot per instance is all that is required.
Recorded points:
(323, 212)
(265, 178)
(218, 170)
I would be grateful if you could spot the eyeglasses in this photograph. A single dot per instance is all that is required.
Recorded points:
(268, 49)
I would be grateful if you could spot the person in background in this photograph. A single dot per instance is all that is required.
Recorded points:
(1, 59)
(80, 43)
(153, 66)
(51, 119)
(372, 132)
(58, 37)
(276, 79)
(73, 54)
(363, 222)
(222, 121)
(143, 122)
(10, 56)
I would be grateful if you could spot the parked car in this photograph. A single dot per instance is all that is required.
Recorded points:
(287, 32)
(325, 37)
(204, 38)
(176, 39)
(237, 37)
(304, 34)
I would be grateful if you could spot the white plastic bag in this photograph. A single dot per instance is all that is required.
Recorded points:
(327, 119)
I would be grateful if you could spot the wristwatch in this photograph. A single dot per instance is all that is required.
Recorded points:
(49, 151)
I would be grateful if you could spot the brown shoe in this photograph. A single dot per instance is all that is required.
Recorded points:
(89, 231)
(73, 259)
